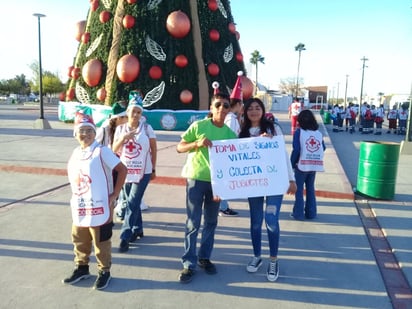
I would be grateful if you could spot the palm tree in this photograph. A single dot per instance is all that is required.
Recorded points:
(298, 48)
(256, 58)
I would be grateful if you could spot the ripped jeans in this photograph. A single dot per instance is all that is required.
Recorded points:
(272, 210)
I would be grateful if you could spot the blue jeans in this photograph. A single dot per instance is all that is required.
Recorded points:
(133, 194)
(273, 204)
(199, 195)
(302, 209)
(224, 205)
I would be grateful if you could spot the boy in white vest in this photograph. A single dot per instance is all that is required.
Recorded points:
(93, 199)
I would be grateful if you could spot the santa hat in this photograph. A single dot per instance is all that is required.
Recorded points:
(83, 120)
(135, 99)
(237, 90)
(215, 86)
(118, 110)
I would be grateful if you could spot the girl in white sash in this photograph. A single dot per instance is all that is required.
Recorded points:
(135, 141)
(94, 195)
(306, 159)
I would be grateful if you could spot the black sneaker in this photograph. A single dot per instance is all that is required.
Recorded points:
(102, 280)
(124, 246)
(136, 236)
(208, 266)
(228, 213)
(186, 275)
(79, 273)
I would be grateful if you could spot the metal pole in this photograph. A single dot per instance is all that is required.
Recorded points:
(364, 59)
(337, 95)
(346, 91)
(38, 15)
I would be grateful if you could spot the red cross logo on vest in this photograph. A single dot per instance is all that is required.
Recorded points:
(83, 183)
(312, 144)
(133, 149)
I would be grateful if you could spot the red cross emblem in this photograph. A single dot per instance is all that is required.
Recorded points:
(312, 144)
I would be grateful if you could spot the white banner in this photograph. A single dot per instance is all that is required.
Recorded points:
(248, 167)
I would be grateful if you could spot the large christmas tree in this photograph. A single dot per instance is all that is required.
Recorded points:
(171, 51)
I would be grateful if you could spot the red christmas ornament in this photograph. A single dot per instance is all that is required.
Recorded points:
(62, 96)
(232, 28)
(80, 28)
(128, 21)
(101, 94)
(214, 35)
(181, 61)
(186, 96)
(237, 35)
(85, 37)
(239, 57)
(247, 87)
(155, 72)
(104, 16)
(92, 72)
(131, 1)
(69, 71)
(178, 24)
(212, 4)
(94, 5)
(75, 73)
(213, 69)
(70, 94)
(128, 68)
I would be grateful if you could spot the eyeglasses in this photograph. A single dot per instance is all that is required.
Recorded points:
(86, 131)
(219, 104)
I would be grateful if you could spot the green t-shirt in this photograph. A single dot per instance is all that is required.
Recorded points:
(197, 162)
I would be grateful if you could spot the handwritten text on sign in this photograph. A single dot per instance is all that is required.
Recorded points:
(248, 167)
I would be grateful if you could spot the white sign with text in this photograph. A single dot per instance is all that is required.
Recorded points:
(248, 167)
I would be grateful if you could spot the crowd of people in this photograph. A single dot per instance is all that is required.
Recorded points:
(369, 118)
(124, 151)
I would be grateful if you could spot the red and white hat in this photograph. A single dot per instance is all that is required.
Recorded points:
(83, 120)
(215, 86)
(237, 92)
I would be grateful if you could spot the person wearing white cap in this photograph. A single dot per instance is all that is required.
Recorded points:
(94, 195)
(135, 142)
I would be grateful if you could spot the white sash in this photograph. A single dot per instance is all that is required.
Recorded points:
(89, 182)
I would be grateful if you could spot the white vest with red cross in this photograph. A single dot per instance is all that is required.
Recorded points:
(134, 153)
(89, 183)
(311, 151)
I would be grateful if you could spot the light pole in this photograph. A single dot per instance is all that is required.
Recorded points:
(364, 59)
(299, 49)
(346, 91)
(40, 123)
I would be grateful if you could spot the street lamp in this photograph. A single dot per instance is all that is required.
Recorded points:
(40, 123)
(299, 49)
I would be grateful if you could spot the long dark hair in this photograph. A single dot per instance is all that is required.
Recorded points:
(264, 124)
(307, 120)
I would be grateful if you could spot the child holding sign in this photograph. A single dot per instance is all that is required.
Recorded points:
(256, 124)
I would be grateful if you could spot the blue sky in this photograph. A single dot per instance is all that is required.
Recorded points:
(336, 34)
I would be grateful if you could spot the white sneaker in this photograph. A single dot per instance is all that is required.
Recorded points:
(254, 264)
(273, 271)
(143, 206)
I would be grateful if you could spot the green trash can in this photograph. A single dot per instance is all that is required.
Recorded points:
(326, 118)
(378, 166)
